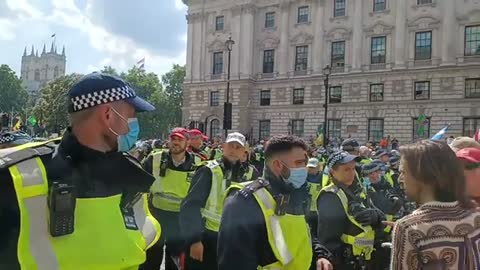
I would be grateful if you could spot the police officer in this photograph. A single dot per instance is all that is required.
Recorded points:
(80, 204)
(195, 142)
(250, 171)
(314, 183)
(386, 201)
(172, 169)
(392, 173)
(11, 139)
(344, 221)
(264, 226)
(365, 153)
(201, 210)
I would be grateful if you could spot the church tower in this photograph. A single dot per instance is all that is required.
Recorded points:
(37, 70)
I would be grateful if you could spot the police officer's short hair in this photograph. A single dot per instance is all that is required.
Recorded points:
(282, 144)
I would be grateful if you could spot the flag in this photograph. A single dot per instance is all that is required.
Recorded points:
(476, 136)
(32, 121)
(440, 134)
(18, 125)
(53, 35)
(319, 139)
(141, 63)
(421, 125)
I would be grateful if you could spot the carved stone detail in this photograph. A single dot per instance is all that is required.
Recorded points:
(424, 22)
(378, 28)
(339, 33)
(301, 38)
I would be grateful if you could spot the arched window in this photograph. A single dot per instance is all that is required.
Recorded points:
(37, 75)
(55, 72)
(214, 128)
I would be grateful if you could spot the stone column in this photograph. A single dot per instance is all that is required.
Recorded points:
(195, 22)
(318, 61)
(282, 55)
(400, 33)
(235, 29)
(246, 47)
(357, 36)
(448, 33)
(188, 67)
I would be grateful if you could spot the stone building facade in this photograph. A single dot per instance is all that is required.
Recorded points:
(396, 67)
(37, 70)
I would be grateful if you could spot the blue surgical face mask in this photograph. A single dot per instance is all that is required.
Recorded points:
(298, 176)
(366, 181)
(126, 142)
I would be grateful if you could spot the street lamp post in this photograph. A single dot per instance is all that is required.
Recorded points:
(227, 108)
(326, 72)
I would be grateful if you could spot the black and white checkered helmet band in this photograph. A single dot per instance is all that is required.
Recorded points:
(335, 158)
(93, 99)
(6, 139)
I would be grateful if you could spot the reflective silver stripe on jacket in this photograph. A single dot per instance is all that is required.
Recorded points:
(145, 225)
(211, 215)
(167, 197)
(277, 232)
(40, 246)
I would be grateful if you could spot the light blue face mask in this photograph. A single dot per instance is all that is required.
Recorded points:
(298, 176)
(127, 141)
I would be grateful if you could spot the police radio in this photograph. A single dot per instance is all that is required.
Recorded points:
(61, 203)
(163, 164)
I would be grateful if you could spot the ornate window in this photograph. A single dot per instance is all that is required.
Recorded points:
(422, 90)
(376, 92)
(378, 50)
(472, 40)
(375, 130)
(301, 58)
(423, 45)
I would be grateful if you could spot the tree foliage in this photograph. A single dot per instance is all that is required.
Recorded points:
(173, 83)
(12, 93)
(51, 108)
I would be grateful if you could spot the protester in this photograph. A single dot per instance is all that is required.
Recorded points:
(441, 233)
(463, 142)
(470, 158)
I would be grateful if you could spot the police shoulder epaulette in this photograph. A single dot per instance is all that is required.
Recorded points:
(212, 164)
(9, 158)
(252, 187)
(132, 159)
(333, 189)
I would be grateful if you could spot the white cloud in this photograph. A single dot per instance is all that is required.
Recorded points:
(7, 30)
(24, 8)
(180, 5)
(120, 52)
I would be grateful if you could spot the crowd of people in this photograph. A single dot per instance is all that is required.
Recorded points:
(99, 199)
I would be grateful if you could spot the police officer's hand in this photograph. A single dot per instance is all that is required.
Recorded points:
(196, 251)
(369, 217)
(324, 264)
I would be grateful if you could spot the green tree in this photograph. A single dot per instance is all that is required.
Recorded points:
(147, 85)
(109, 70)
(51, 109)
(173, 84)
(13, 94)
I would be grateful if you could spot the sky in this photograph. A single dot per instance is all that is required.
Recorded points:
(96, 33)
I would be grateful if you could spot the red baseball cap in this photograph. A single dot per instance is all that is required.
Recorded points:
(179, 132)
(469, 155)
(195, 132)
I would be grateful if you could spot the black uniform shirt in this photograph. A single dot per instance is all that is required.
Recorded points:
(94, 173)
(243, 242)
(333, 222)
(191, 220)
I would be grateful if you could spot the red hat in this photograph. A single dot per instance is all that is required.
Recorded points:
(469, 155)
(179, 132)
(195, 133)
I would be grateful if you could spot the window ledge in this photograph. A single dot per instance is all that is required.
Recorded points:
(339, 18)
(417, 6)
(269, 29)
(380, 12)
(302, 23)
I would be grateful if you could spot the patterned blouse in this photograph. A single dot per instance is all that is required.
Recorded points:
(437, 236)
